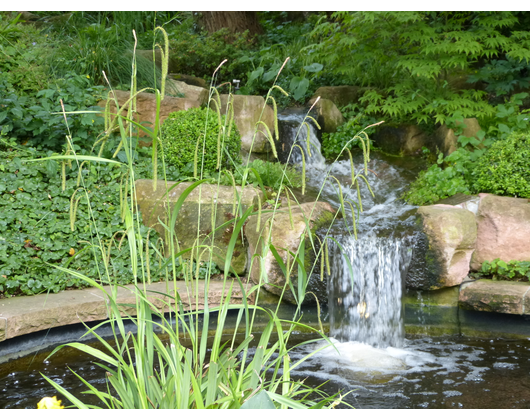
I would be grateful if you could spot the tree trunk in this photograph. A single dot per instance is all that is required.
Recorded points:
(233, 21)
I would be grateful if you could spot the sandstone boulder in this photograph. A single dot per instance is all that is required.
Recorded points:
(284, 237)
(248, 110)
(339, 95)
(495, 296)
(194, 93)
(503, 229)
(197, 212)
(399, 139)
(452, 235)
(146, 107)
(190, 80)
(328, 115)
(446, 140)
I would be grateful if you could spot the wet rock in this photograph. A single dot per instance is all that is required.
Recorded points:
(424, 269)
(286, 237)
(452, 235)
(197, 211)
(503, 229)
(495, 296)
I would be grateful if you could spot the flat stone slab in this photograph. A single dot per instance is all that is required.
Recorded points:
(496, 296)
(27, 314)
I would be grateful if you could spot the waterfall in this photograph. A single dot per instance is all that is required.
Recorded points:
(367, 276)
(365, 290)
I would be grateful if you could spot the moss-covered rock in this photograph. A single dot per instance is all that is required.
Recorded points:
(452, 233)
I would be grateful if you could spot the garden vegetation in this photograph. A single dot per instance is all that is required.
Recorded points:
(67, 178)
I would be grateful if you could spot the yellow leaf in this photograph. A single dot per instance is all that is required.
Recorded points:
(72, 251)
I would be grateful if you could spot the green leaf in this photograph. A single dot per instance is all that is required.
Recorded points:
(260, 401)
(313, 68)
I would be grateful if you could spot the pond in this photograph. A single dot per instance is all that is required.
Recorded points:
(425, 372)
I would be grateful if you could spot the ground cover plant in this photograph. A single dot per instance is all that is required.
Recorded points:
(506, 271)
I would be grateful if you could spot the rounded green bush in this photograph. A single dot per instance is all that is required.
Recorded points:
(198, 129)
(505, 168)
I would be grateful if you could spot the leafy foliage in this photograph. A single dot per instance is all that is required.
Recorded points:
(503, 169)
(356, 120)
(38, 119)
(501, 270)
(199, 54)
(435, 184)
(410, 58)
(271, 174)
(193, 141)
(503, 77)
(38, 229)
(22, 52)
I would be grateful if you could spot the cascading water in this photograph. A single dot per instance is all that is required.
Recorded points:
(367, 274)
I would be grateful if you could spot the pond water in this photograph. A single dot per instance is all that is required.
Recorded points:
(425, 372)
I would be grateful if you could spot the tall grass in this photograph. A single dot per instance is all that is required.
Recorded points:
(191, 367)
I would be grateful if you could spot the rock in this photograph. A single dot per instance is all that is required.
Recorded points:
(452, 235)
(503, 229)
(197, 208)
(400, 139)
(409, 139)
(190, 80)
(194, 93)
(23, 315)
(464, 201)
(495, 296)
(284, 237)
(328, 115)
(248, 110)
(146, 107)
(445, 139)
(339, 95)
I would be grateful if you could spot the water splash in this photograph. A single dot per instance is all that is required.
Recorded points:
(365, 290)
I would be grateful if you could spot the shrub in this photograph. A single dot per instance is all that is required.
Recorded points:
(184, 135)
(503, 169)
(200, 54)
